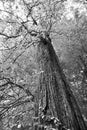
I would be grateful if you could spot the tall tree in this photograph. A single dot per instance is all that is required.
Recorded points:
(65, 104)
(27, 22)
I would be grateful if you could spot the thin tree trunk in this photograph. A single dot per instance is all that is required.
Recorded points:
(65, 104)
(36, 107)
(1, 123)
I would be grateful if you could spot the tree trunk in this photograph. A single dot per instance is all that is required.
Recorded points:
(54, 79)
(1, 123)
(36, 109)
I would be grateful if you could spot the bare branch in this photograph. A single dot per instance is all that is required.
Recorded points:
(5, 35)
(13, 105)
(15, 85)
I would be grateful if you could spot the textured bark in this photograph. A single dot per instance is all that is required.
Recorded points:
(54, 79)
(36, 107)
